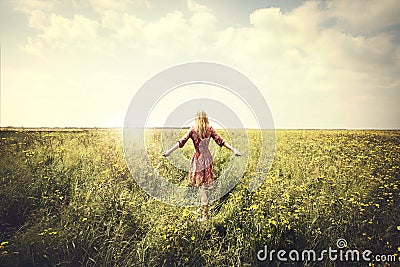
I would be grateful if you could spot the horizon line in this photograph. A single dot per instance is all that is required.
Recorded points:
(60, 128)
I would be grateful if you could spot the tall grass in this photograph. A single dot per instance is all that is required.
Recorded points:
(68, 199)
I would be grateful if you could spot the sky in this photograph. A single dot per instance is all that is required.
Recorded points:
(318, 64)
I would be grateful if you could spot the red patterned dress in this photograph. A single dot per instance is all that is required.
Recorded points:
(201, 170)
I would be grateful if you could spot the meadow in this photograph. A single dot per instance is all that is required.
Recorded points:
(67, 198)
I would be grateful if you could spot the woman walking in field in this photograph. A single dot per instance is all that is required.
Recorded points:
(201, 170)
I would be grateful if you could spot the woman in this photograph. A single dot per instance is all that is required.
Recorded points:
(201, 170)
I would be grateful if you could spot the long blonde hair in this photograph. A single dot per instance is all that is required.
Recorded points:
(201, 123)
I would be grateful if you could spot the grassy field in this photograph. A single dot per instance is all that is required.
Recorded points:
(68, 199)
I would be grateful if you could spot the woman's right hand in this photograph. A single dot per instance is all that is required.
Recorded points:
(166, 153)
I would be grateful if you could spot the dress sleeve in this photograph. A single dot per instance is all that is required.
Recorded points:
(184, 138)
(217, 138)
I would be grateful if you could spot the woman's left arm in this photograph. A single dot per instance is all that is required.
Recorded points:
(180, 143)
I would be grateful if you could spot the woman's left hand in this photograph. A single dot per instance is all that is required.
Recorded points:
(236, 152)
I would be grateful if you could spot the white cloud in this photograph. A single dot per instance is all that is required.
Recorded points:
(32, 47)
(364, 16)
(173, 33)
(168, 29)
(196, 7)
(27, 6)
(38, 20)
(203, 22)
(58, 31)
(103, 6)
(65, 30)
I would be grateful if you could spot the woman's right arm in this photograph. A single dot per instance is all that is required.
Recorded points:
(180, 143)
(172, 149)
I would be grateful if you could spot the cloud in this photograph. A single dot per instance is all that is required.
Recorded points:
(364, 16)
(196, 7)
(65, 30)
(38, 19)
(172, 33)
(27, 6)
(32, 47)
(58, 31)
(103, 6)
